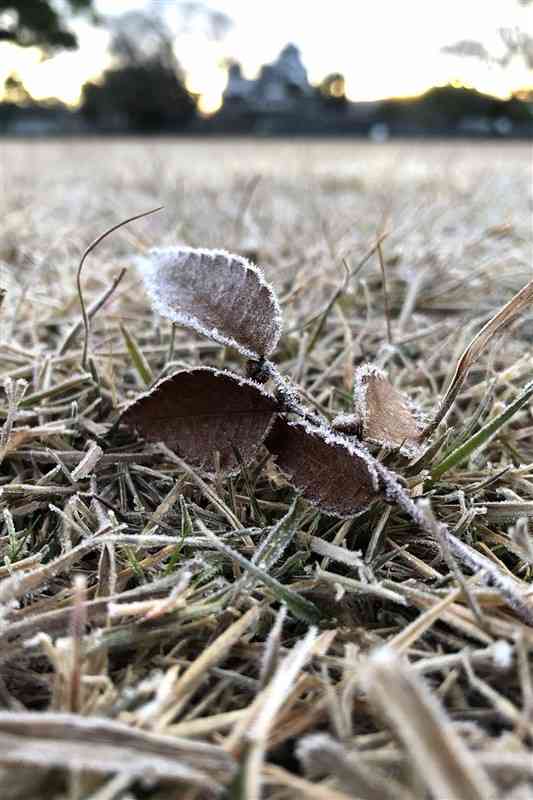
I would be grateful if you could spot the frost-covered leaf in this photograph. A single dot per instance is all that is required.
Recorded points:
(326, 469)
(386, 418)
(202, 412)
(219, 295)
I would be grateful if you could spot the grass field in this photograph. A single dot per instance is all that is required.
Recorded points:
(136, 661)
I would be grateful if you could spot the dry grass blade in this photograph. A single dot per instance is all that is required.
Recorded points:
(179, 694)
(299, 787)
(320, 754)
(18, 585)
(21, 436)
(322, 316)
(522, 540)
(271, 656)
(514, 591)
(209, 493)
(88, 462)
(504, 316)
(56, 621)
(385, 292)
(416, 629)
(441, 759)
(91, 311)
(87, 252)
(102, 746)
(273, 697)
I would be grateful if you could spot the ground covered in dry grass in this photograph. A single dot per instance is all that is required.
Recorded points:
(139, 657)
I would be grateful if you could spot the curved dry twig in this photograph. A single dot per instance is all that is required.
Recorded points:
(88, 250)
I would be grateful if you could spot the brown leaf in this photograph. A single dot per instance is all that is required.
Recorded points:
(202, 411)
(219, 295)
(386, 418)
(327, 469)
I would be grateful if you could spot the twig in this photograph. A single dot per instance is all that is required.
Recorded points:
(385, 292)
(89, 250)
(93, 309)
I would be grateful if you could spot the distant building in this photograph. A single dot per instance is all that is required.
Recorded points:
(282, 101)
(278, 87)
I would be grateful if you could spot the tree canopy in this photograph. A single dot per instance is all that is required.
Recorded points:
(332, 91)
(39, 23)
(515, 43)
(144, 90)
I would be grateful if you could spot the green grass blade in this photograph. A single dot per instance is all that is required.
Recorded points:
(137, 356)
(301, 608)
(480, 438)
(278, 539)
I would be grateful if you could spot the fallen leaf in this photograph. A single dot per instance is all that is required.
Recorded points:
(219, 295)
(326, 469)
(386, 418)
(201, 412)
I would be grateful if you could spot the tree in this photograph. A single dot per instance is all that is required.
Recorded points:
(144, 90)
(144, 97)
(516, 43)
(38, 23)
(15, 91)
(332, 91)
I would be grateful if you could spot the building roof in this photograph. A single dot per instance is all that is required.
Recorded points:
(277, 86)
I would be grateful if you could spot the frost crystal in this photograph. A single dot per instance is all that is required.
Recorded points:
(502, 653)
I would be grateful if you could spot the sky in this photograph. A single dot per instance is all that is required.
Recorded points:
(384, 48)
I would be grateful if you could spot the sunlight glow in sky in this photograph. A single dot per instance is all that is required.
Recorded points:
(383, 47)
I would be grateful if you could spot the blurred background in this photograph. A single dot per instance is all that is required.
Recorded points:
(375, 68)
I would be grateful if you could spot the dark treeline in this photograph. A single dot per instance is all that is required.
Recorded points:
(144, 91)
(131, 100)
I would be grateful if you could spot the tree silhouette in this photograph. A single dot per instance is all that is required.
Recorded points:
(37, 23)
(145, 88)
(332, 90)
(15, 91)
(516, 44)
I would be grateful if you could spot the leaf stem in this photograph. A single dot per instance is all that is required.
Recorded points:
(288, 397)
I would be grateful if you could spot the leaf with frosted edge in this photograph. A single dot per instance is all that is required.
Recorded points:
(201, 412)
(331, 472)
(219, 295)
(386, 418)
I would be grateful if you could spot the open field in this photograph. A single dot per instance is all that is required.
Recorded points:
(135, 660)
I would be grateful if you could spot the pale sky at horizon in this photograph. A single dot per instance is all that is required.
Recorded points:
(383, 47)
